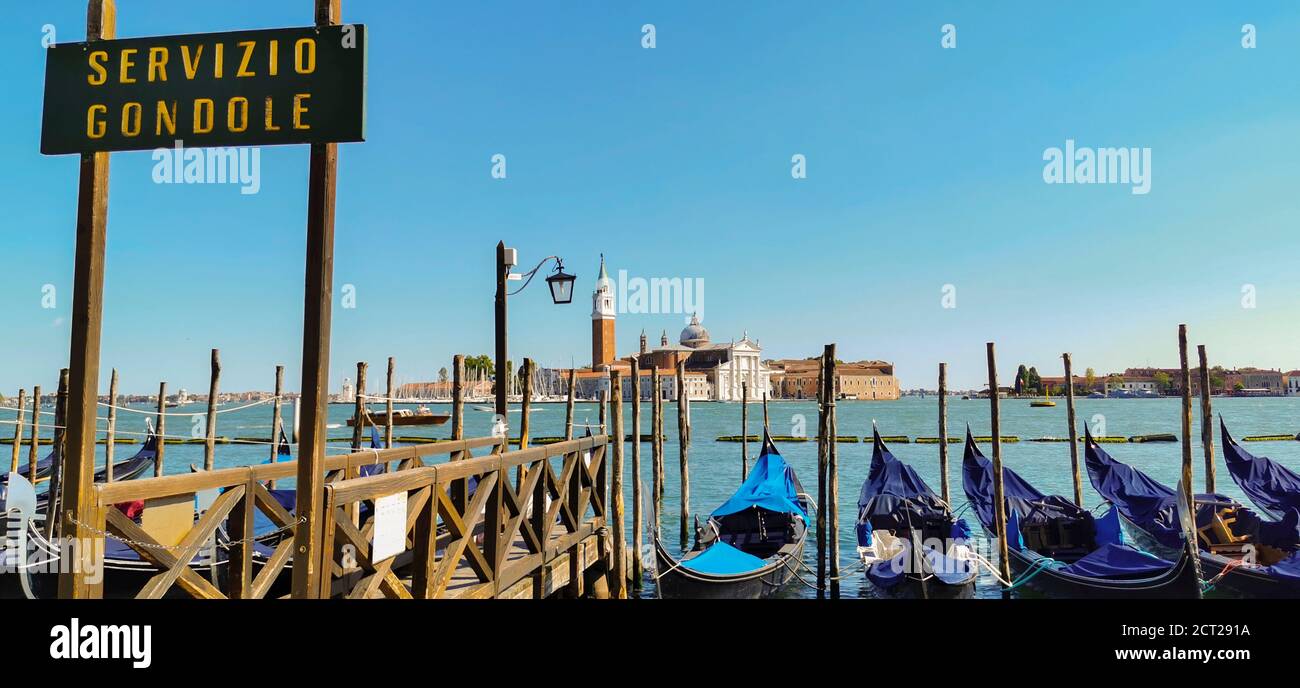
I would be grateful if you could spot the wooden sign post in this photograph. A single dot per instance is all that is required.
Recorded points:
(301, 85)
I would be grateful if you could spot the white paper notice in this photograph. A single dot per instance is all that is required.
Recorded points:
(390, 527)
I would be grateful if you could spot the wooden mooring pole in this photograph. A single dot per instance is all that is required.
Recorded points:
(568, 404)
(318, 302)
(525, 402)
(999, 506)
(823, 432)
(58, 501)
(683, 448)
(458, 400)
(359, 408)
(161, 419)
(277, 424)
(18, 431)
(1186, 378)
(744, 431)
(1074, 432)
(1207, 421)
(943, 432)
(765, 425)
(832, 477)
(110, 435)
(32, 451)
(618, 579)
(210, 437)
(388, 403)
(656, 448)
(637, 565)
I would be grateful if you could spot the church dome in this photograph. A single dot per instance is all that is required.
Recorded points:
(694, 335)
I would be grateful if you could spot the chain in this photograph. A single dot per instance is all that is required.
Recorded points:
(154, 545)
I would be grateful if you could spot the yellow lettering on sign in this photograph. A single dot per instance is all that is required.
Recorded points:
(273, 64)
(191, 67)
(202, 115)
(219, 57)
(304, 56)
(95, 127)
(127, 64)
(269, 125)
(248, 55)
(299, 110)
(158, 64)
(131, 119)
(242, 110)
(164, 115)
(96, 61)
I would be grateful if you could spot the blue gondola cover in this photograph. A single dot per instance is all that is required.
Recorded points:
(771, 485)
(1270, 485)
(723, 559)
(894, 496)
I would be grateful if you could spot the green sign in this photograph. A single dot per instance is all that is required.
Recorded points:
(241, 88)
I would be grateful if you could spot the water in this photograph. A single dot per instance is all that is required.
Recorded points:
(715, 466)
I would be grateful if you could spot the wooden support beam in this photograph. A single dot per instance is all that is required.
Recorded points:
(1000, 505)
(87, 320)
(210, 437)
(1207, 421)
(618, 567)
(277, 424)
(943, 432)
(683, 448)
(161, 422)
(1075, 471)
(318, 300)
(636, 474)
(111, 431)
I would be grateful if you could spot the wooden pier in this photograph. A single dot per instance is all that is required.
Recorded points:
(532, 525)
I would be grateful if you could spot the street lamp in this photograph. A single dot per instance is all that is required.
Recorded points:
(561, 285)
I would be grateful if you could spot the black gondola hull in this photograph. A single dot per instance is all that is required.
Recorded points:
(1239, 581)
(1179, 582)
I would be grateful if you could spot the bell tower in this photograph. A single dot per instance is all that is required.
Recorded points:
(602, 320)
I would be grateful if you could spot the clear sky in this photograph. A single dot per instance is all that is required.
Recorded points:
(924, 169)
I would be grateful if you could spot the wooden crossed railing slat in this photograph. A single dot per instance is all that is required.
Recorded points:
(243, 495)
(443, 525)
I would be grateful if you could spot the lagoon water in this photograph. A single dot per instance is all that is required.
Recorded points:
(715, 466)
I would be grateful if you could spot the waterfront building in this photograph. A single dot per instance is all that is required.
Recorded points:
(863, 380)
(1293, 383)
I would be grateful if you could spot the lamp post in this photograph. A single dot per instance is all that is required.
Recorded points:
(561, 286)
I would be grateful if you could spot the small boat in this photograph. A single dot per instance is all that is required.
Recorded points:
(1272, 487)
(1060, 549)
(753, 544)
(899, 516)
(1241, 553)
(126, 469)
(420, 416)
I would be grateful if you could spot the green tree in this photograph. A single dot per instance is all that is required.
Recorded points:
(1164, 382)
(1034, 381)
(442, 374)
(1090, 378)
(1022, 378)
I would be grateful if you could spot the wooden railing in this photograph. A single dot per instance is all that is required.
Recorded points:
(469, 542)
(243, 494)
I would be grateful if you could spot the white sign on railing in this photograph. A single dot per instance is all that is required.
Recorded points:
(390, 527)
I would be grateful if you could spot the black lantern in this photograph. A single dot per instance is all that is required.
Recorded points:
(561, 284)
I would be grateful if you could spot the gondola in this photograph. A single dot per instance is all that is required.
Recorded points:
(1272, 487)
(1060, 549)
(1243, 554)
(126, 469)
(753, 543)
(899, 516)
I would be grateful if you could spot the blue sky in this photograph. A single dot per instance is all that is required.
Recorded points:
(924, 169)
